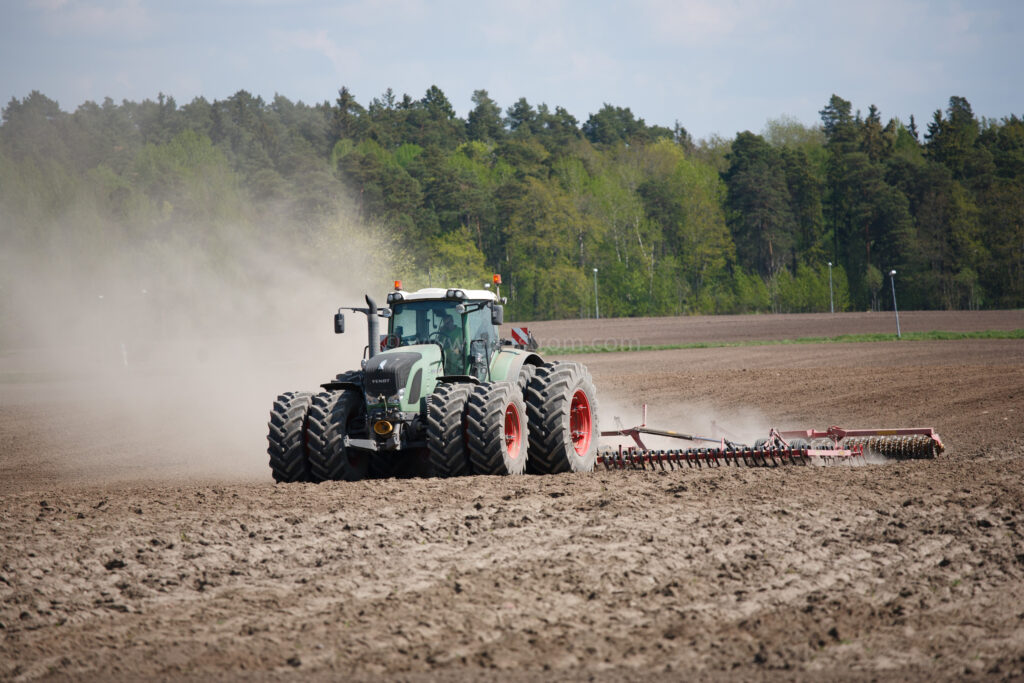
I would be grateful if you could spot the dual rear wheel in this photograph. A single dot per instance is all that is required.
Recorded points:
(545, 423)
(562, 408)
(477, 429)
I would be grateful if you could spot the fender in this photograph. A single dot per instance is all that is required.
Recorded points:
(507, 363)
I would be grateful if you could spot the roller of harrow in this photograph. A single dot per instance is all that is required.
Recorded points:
(832, 446)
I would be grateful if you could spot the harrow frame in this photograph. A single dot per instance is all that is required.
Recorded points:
(782, 447)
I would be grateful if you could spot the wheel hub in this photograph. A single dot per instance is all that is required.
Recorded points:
(580, 422)
(513, 431)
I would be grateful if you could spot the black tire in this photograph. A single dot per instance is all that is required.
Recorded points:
(329, 418)
(560, 399)
(287, 437)
(446, 428)
(497, 429)
(526, 375)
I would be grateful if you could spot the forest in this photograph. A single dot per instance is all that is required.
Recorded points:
(646, 218)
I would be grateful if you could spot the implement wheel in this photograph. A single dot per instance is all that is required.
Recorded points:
(446, 430)
(329, 418)
(287, 437)
(496, 429)
(561, 403)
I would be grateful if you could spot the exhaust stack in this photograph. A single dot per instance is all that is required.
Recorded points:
(373, 326)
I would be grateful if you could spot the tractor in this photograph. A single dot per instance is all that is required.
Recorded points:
(440, 394)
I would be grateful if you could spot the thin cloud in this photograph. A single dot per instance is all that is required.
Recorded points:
(76, 17)
(318, 42)
(48, 5)
(697, 22)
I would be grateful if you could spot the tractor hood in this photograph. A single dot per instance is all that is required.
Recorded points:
(386, 373)
(409, 373)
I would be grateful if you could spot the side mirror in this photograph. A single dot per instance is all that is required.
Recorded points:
(339, 323)
(497, 314)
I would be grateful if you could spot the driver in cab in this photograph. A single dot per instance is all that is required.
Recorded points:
(451, 339)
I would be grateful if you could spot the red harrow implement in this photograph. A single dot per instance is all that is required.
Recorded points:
(789, 447)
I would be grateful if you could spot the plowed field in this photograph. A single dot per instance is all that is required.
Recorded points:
(141, 535)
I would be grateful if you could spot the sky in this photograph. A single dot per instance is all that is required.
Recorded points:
(714, 66)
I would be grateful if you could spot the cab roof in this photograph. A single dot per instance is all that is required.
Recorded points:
(441, 294)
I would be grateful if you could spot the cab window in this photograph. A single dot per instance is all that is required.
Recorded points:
(430, 322)
(478, 325)
(422, 322)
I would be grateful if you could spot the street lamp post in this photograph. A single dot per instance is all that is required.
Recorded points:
(892, 279)
(831, 301)
(597, 310)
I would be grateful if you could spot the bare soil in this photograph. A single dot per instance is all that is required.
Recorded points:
(141, 537)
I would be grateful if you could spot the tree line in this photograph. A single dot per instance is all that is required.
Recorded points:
(793, 219)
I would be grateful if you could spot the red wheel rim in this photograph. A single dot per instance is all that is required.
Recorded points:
(513, 431)
(580, 422)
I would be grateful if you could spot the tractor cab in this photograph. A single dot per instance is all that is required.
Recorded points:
(462, 322)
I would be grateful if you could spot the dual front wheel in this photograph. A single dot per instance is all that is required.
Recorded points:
(306, 437)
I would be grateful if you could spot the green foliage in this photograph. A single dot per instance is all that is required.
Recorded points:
(612, 125)
(672, 225)
(456, 261)
(752, 294)
(484, 121)
(760, 205)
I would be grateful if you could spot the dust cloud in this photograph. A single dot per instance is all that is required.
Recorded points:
(160, 359)
(743, 426)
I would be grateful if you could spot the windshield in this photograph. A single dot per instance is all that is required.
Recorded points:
(437, 322)
(430, 322)
(422, 322)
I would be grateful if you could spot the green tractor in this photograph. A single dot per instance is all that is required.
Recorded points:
(441, 394)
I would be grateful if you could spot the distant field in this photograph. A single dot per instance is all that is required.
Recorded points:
(625, 332)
